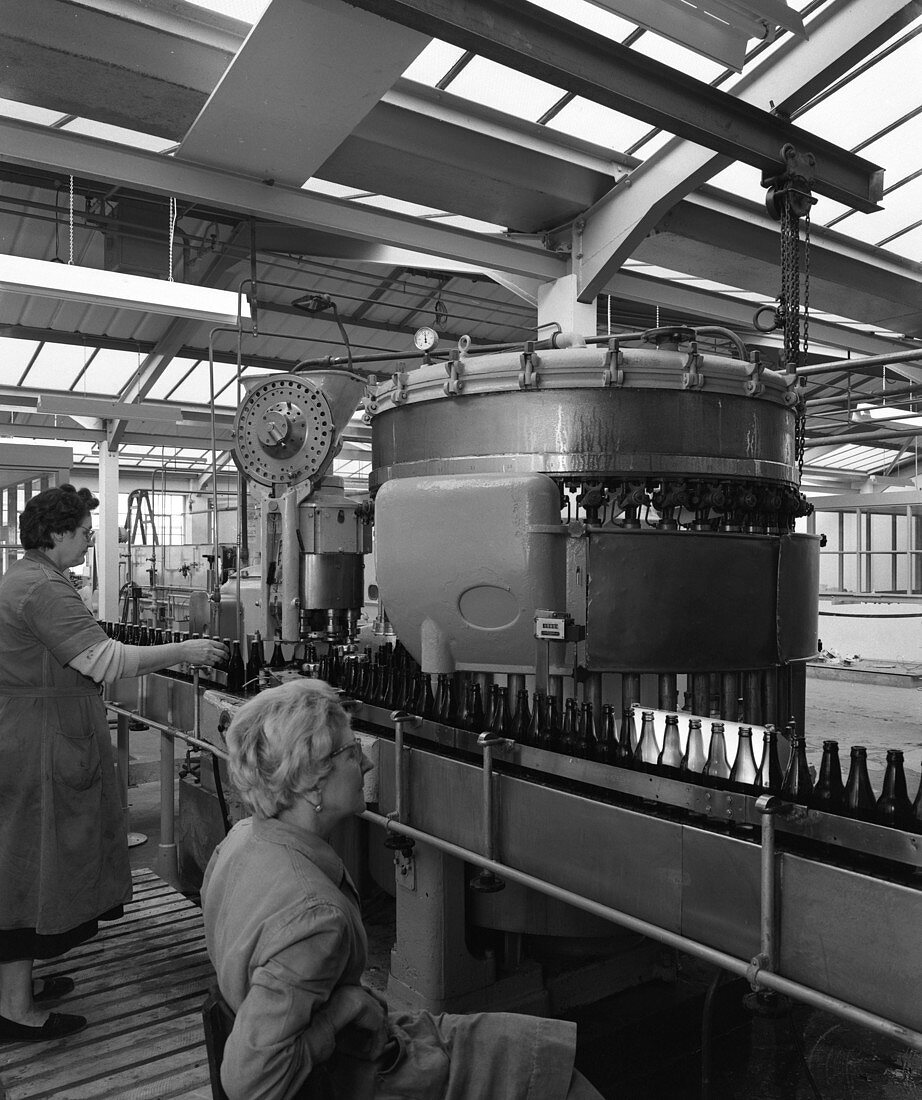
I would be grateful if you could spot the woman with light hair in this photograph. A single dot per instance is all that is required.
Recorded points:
(284, 931)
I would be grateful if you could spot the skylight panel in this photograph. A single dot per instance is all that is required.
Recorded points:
(651, 143)
(590, 121)
(908, 245)
(170, 377)
(334, 190)
(471, 224)
(108, 372)
(10, 108)
(14, 358)
(56, 366)
(400, 206)
(504, 89)
(678, 57)
(902, 207)
(897, 150)
(434, 62)
(195, 389)
(119, 134)
(591, 16)
(860, 108)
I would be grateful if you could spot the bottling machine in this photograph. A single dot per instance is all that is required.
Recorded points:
(604, 528)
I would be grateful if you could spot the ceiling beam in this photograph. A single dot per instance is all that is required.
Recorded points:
(37, 146)
(840, 34)
(564, 54)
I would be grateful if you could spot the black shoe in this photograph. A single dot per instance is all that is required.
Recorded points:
(55, 1027)
(54, 987)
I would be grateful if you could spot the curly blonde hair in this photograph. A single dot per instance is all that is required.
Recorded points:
(279, 743)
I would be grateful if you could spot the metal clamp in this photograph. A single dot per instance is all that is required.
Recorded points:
(692, 378)
(453, 368)
(754, 368)
(528, 364)
(612, 374)
(485, 881)
(399, 392)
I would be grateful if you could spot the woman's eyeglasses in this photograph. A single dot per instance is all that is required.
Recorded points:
(88, 533)
(355, 748)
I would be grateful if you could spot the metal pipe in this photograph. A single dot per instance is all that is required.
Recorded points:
(668, 694)
(630, 689)
(729, 695)
(169, 731)
(400, 719)
(768, 805)
(216, 578)
(752, 695)
(914, 355)
(754, 974)
(863, 437)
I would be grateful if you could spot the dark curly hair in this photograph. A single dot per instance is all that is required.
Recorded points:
(53, 510)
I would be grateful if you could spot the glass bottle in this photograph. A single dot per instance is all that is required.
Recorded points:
(277, 660)
(744, 769)
(448, 709)
(859, 794)
(694, 759)
(587, 739)
(499, 727)
(236, 672)
(607, 747)
(670, 757)
(255, 661)
(537, 727)
(473, 718)
(627, 739)
(552, 724)
(521, 720)
(829, 792)
(441, 690)
(770, 776)
(647, 752)
(797, 785)
(489, 708)
(893, 807)
(916, 824)
(717, 768)
(567, 740)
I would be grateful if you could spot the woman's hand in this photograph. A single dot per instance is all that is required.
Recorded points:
(203, 651)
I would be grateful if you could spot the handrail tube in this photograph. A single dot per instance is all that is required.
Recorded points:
(170, 731)
(736, 966)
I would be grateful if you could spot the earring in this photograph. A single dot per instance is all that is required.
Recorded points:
(318, 806)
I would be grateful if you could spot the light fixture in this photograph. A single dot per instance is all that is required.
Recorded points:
(70, 283)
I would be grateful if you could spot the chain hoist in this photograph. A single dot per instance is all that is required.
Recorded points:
(788, 199)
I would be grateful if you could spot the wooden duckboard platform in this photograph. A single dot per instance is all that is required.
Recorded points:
(140, 983)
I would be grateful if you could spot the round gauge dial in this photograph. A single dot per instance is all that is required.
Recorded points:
(425, 338)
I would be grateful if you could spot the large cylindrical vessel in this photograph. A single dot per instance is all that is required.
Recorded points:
(648, 493)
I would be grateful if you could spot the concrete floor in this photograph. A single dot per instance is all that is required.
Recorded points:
(646, 1044)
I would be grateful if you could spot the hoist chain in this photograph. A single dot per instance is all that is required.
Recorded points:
(789, 309)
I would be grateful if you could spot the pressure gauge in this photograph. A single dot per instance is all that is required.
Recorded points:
(425, 338)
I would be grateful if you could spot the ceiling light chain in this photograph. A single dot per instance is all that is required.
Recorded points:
(171, 234)
(71, 221)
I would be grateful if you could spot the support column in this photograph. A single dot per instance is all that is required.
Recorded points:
(557, 302)
(107, 534)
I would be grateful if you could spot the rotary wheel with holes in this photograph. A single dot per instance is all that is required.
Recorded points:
(283, 432)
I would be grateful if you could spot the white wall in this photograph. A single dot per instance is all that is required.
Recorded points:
(867, 633)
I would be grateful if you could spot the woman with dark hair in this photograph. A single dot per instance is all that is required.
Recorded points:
(63, 850)
(284, 931)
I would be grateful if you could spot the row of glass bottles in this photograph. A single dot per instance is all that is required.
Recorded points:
(235, 675)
